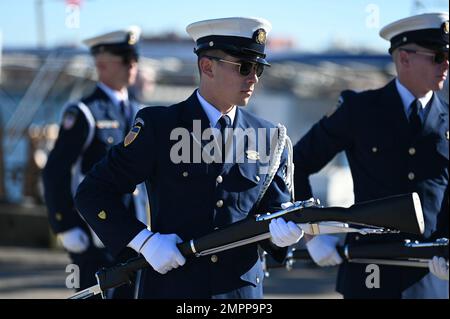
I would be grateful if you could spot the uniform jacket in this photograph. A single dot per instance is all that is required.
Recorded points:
(188, 199)
(89, 129)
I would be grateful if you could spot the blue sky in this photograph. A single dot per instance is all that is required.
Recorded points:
(314, 24)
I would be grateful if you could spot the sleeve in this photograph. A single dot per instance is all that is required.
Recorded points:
(331, 135)
(98, 197)
(57, 175)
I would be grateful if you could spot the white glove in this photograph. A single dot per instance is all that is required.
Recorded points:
(74, 240)
(284, 234)
(162, 253)
(322, 250)
(438, 267)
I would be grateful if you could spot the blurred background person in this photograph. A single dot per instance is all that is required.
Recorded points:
(89, 128)
(396, 141)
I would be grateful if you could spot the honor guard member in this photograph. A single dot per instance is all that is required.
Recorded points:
(89, 128)
(193, 196)
(396, 141)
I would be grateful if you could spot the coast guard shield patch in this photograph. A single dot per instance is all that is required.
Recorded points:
(131, 136)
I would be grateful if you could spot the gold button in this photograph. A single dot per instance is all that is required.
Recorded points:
(412, 151)
(102, 215)
(214, 258)
(58, 217)
(185, 174)
(219, 179)
(110, 139)
(219, 203)
(374, 149)
(257, 178)
(411, 176)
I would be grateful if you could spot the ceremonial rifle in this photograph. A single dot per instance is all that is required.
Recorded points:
(392, 214)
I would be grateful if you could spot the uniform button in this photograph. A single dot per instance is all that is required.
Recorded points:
(136, 191)
(219, 179)
(185, 174)
(102, 215)
(110, 139)
(412, 151)
(356, 237)
(258, 178)
(257, 279)
(374, 149)
(58, 216)
(411, 176)
(219, 203)
(214, 258)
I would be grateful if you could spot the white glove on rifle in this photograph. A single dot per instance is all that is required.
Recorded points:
(162, 253)
(284, 234)
(74, 240)
(438, 267)
(322, 250)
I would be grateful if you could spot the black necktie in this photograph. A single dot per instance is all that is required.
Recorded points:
(124, 111)
(224, 122)
(415, 121)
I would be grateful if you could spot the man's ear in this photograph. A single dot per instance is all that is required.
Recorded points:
(206, 67)
(403, 58)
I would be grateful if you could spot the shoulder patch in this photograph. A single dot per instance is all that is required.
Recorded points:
(132, 135)
(69, 119)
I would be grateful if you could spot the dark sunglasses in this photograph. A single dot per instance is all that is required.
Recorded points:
(438, 57)
(245, 67)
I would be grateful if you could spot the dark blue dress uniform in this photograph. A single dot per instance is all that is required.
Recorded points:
(88, 130)
(188, 199)
(385, 159)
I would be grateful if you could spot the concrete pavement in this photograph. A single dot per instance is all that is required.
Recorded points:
(32, 273)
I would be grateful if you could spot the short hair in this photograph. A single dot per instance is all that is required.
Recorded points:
(204, 53)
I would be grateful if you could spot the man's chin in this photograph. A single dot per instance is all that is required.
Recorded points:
(244, 102)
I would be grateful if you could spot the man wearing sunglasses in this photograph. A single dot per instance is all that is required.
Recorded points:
(89, 128)
(192, 197)
(396, 140)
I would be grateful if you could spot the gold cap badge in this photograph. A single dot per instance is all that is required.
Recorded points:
(260, 36)
(132, 38)
(445, 27)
